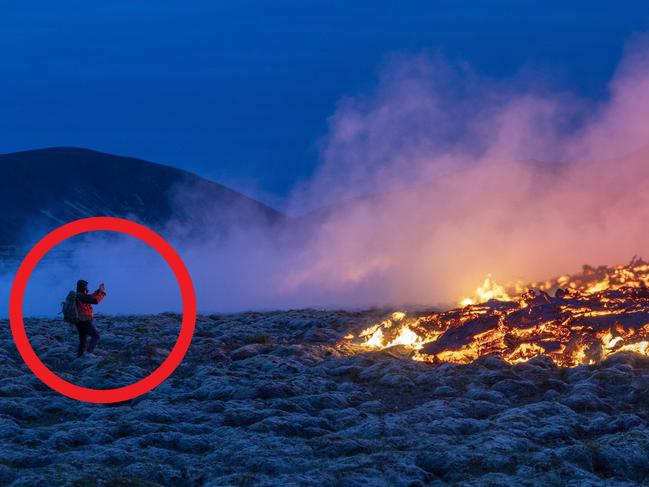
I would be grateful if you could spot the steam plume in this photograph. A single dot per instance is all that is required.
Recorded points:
(429, 183)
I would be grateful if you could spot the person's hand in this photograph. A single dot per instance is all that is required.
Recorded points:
(102, 287)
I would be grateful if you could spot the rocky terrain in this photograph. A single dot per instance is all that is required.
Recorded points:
(270, 399)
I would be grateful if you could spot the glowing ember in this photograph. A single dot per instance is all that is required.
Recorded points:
(406, 337)
(489, 290)
(375, 339)
(578, 319)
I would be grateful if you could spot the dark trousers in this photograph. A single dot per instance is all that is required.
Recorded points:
(85, 329)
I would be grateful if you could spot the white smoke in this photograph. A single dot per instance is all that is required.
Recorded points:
(426, 185)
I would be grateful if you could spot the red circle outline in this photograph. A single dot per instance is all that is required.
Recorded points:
(119, 394)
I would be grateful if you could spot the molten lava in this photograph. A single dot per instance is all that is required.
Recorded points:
(579, 319)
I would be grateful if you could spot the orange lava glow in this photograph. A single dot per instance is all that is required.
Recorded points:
(578, 319)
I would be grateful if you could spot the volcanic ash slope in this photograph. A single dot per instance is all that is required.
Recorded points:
(268, 399)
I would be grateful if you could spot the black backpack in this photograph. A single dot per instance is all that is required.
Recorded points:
(70, 311)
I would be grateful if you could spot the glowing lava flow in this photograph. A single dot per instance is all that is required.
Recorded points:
(579, 319)
(488, 291)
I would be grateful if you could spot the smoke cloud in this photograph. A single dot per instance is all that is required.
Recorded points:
(435, 179)
(470, 177)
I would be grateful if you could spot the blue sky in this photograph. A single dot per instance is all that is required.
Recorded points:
(240, 91)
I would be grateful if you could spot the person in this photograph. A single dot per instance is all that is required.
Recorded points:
(84, 307)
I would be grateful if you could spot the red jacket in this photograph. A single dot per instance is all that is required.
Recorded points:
(85, 302)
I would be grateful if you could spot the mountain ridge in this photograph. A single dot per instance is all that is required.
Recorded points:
(43, 188)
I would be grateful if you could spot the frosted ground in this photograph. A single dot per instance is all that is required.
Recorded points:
(268, 399)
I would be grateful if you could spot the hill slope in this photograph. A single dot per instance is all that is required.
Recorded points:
(42, 189)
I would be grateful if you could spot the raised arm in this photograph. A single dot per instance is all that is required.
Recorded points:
(88, 298)
(94, 298)
(99, 294)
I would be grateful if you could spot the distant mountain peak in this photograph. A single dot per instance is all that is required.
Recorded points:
(43, 188)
